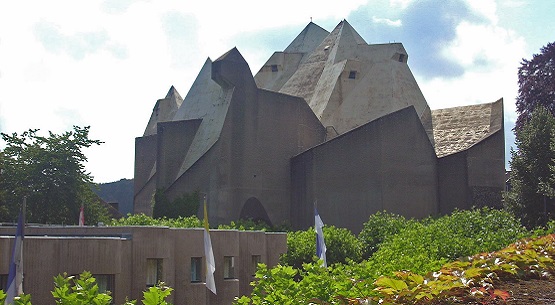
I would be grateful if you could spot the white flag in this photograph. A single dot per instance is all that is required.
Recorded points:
(320, 244)
(15, 276)
(210, 264)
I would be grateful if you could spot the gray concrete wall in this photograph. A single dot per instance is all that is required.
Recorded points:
(453, 183)
(474, 177)
(174, 140)
(123, 251)
(251, 159)
(388, 164)
(144, 182)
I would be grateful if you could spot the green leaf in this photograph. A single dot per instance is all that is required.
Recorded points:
(391, 283)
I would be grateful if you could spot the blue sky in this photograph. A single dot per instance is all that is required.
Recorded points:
(105, 63)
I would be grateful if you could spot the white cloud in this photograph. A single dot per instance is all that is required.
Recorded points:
(485, 8)
(386, 21)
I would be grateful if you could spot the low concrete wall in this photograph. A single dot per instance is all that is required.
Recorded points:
(122, 253)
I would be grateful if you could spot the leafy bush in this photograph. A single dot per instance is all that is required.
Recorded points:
(379, 227)
(184, 206)
(288, 285)
(144, 220)
(246, 225)
(341, 245)
(83, 290)
(70, 290)
(428, 244)
(470, 279)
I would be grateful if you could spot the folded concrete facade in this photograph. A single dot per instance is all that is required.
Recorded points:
(330, 119)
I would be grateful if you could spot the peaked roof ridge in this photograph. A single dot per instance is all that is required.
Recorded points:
(308, 39)
(348, 28)
(173, 93)
(346, 42)
(232, 55)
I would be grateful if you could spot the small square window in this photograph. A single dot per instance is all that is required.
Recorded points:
(229, 267)
(196, 267)
(274, 68)
(353, 74)
(153, 271)
(256, 259)
(401, 57)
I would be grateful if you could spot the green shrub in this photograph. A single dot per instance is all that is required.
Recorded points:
(144, 220)
(428, 244)
(379, 227)
(341, 245)
(83, 290)
(286, 285)
(246, 225)
(185, 205)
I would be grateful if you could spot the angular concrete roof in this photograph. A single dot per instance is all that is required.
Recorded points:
(281, 65)
(164, 110)
(348, 83)
(309, 38)
(459, 128)
(206, 101)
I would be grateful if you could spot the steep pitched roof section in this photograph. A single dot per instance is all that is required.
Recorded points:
(459, 128)
(305, 79)
(309, 38)
(281, 65)
(164, 110)
(348, 83)
(207, 101)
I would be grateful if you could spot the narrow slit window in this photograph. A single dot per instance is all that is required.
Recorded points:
(401, 57)
(196, 269)
(153, 271)
(229, 267)
(256, 259)
(353, 74)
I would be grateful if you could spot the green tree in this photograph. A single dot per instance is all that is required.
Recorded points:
(532, 170)
(50, 172)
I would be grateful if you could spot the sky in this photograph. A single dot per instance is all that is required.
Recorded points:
(105, 63)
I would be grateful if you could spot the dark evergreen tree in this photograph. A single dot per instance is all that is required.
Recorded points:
(50, 172)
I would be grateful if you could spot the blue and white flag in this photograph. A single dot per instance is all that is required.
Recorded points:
(15, 276)
(320, 244)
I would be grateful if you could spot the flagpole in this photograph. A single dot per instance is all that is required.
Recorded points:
(15, 276)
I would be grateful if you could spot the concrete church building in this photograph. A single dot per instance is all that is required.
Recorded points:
(330, 119)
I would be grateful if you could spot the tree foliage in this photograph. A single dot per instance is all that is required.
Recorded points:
(536, 79)
(533, 169)
(183, 206)
(427, 244)
(378, 228)
(144, 220)
(50, 172)
(421, 246)
(341, 246)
